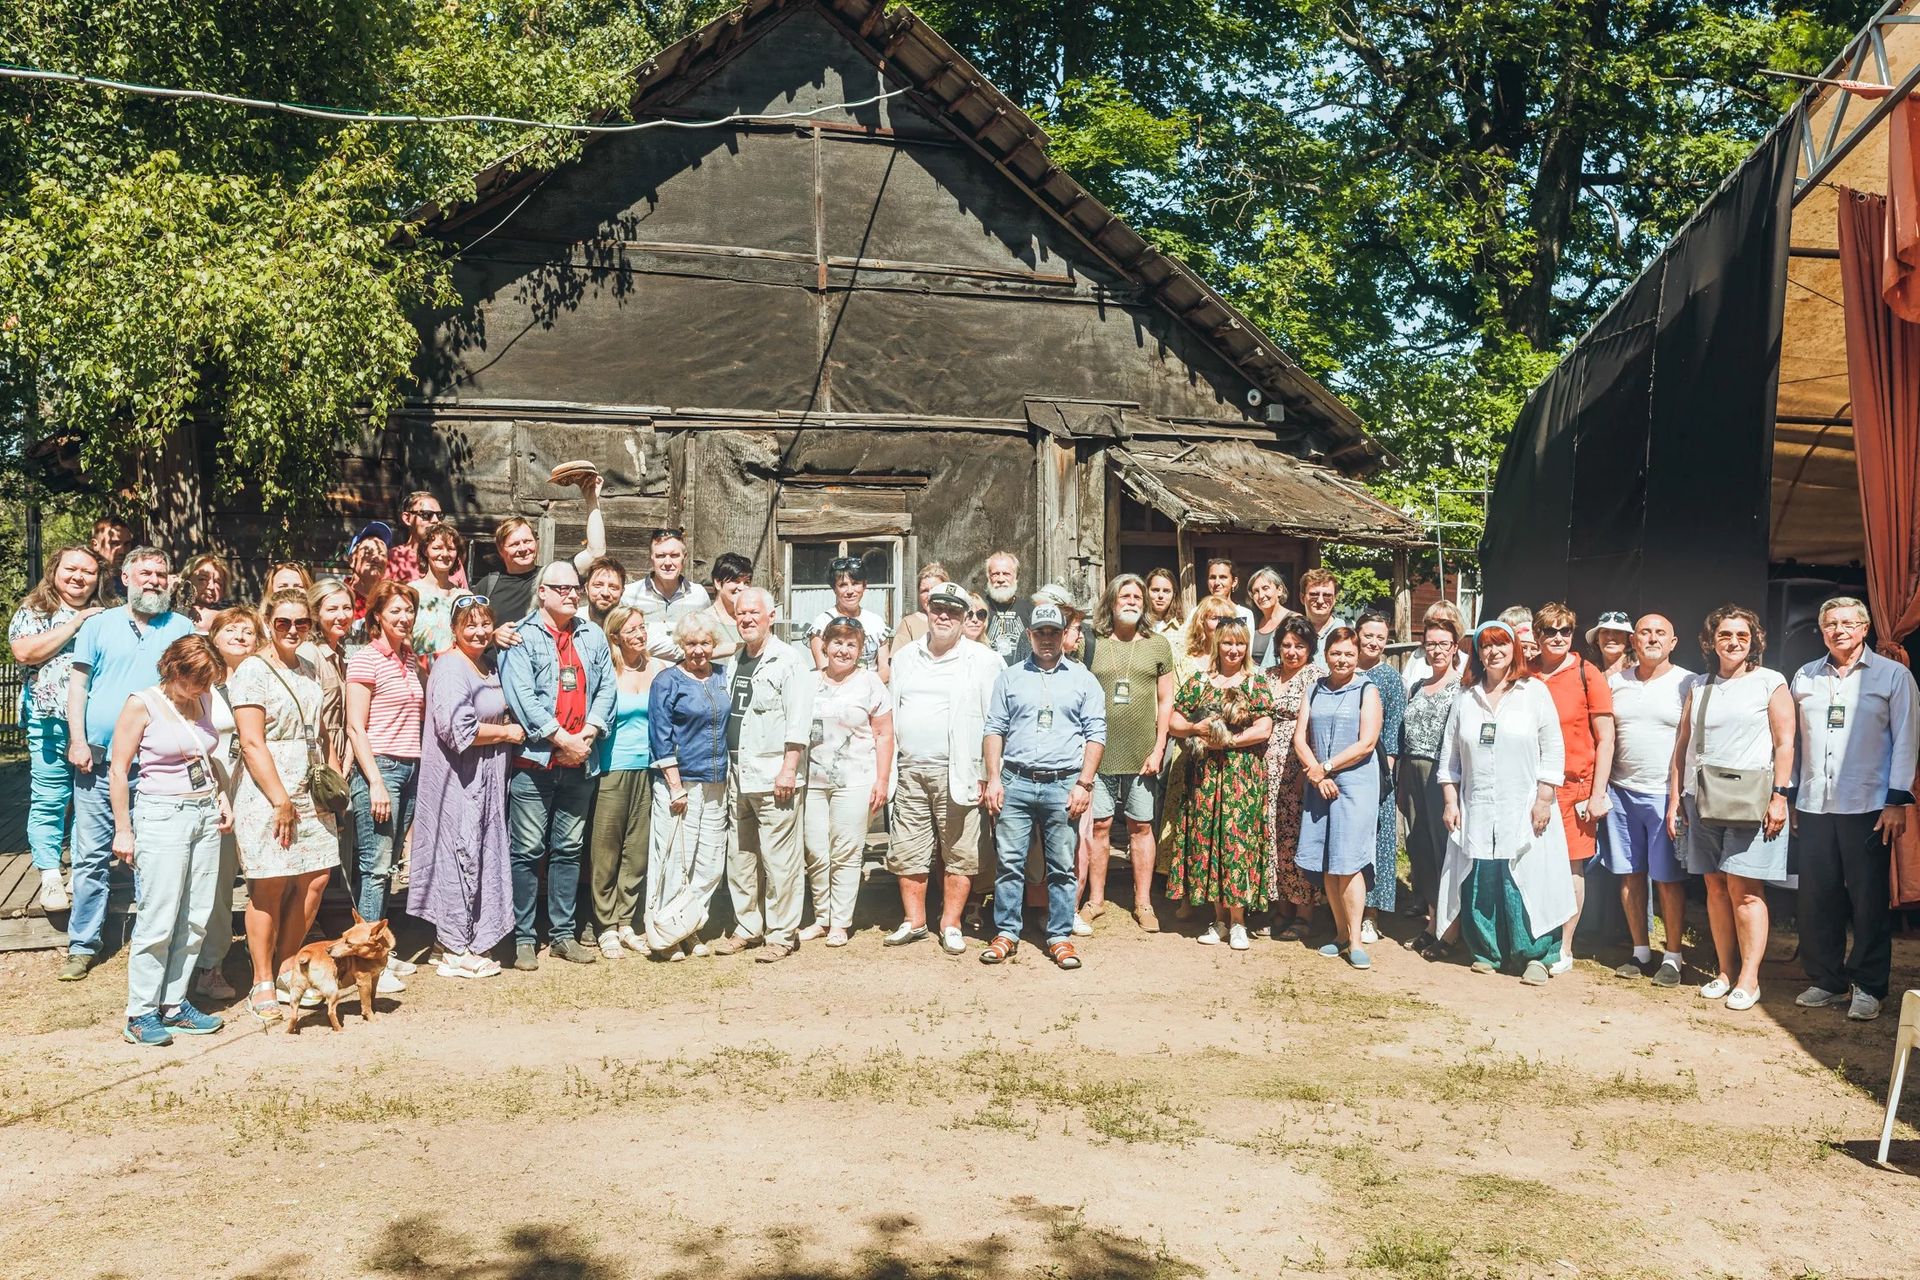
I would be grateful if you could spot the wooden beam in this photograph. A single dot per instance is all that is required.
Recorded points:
(1402, 597)
(1183, 565)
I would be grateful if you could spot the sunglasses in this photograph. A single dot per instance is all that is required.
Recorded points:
(978, 615)
(461, 602)
(561, 588)
(1556, 631)
(848, 564)
(292, 626)
(666, 531)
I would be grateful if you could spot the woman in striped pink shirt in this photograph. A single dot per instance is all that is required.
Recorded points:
(385, 706)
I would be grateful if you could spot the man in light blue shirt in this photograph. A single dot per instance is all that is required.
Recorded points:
(1046, 727)
(115, 653)
(1859, 722)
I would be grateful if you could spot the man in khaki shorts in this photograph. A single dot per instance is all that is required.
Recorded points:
(941, 686)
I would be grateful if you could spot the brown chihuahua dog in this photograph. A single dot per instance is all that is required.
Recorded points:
(355, 959)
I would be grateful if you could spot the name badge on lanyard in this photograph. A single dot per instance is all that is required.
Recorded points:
(1122, 692)
(1046, 719)
(1836, 715)
(196, 775)
(569, 679)
(1486, 733)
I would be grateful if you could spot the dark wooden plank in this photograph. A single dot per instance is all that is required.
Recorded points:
(19, 884)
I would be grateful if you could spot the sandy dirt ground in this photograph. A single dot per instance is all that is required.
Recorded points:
(870, 1114)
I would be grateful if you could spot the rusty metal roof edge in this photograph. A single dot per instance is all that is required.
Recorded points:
(1385, 527)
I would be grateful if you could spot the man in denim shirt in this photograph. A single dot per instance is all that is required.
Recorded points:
(1046, 728)
(560, 683)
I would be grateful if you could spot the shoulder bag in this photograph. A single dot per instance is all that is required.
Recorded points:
(1723, 794)
(324, 782)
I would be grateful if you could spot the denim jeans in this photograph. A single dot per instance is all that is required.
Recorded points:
(375, 842)
(547, 817)
(1044, 805)
(51, 782)
(176, 845)
(92, 857)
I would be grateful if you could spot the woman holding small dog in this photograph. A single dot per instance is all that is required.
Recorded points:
(287, 846)
(462, 868)
(1334, 740)
(171, 836)
(1221, 848)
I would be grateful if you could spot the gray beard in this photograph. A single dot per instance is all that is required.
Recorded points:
(150, 603)
(1129, 616)
(1002, 595)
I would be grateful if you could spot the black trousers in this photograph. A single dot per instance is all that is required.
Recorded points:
(1845, 872)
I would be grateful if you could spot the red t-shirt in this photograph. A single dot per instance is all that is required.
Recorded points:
(569, 705)
(1579, 691)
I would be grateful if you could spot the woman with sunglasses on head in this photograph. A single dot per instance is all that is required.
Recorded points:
(287, 846)
(1506, 878)
(849, 590)
(462, 871)
(1737, 723)
(386, 703)
(236, 637)
(1584, 702)
(41, 635)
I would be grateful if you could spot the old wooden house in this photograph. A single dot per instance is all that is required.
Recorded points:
(894, 329)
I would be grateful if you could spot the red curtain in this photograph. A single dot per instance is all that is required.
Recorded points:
(1880, 271)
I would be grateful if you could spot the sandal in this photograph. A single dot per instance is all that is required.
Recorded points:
(999, 951)
(1420, 944)
(266, 1008)
(1296, 931)
(1438, 950)
(1062, 954)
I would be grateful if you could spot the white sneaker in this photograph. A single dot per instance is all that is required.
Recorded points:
(401, 968)
(700, 951)
(813, 932)
(53, 891)
(214, 985)
(610, 945)
(1237, 937)
(1563, 965)
(1864, 1007)
(1211, 938)
(953, 942)
(1368, 934)
(633, 941)
(1081, 929)
(1715, 989)
(1740, 1001)
(388, 985)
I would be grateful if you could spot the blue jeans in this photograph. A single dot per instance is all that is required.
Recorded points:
(1030, 804)
(374, 842)
(92, 857)
(51, 781)
(176, 845)
(547, 817)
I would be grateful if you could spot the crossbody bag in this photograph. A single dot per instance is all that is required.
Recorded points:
(324, 782)
(1722, 794)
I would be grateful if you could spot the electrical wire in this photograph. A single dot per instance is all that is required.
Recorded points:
(9, 71)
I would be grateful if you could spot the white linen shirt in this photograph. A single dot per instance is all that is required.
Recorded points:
(969, 672)
(1498, 782)
(1867, 763)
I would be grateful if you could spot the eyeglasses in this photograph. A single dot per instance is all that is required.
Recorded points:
(1320, 595)
(561, 588)
(292, 626)
(1556, 631)
(461, 602)
(1836, 624)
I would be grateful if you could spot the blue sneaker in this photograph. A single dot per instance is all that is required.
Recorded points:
(189, 1021)
(1332, 949)
(146, 1029)
(1359, 959)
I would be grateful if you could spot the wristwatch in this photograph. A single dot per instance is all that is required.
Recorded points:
(1783, 791)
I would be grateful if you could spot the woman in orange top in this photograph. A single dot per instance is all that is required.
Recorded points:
(1585, 703)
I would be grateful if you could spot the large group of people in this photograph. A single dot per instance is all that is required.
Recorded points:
(560, 754)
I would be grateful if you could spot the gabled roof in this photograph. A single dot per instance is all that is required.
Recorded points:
(941, 82)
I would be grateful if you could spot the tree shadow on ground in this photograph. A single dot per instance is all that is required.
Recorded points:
(1063, 1247)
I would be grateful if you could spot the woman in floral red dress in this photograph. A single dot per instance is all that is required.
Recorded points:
(1222, 847)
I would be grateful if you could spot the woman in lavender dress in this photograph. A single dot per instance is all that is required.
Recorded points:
(462, 878)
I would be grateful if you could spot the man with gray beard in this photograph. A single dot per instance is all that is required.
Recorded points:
(1007, 609)
(1135, 671)
(115, 653)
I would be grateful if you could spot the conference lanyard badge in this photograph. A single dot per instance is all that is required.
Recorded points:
(569, 679)
(1046, 719)
(1837, 715)
(1122, 692)
(1486, 733)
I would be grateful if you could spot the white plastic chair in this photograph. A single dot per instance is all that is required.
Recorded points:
(1903, 1042)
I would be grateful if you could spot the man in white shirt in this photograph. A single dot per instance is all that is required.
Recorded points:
(1647, 698)
(665, 596)
(1859, 721)
(772, 688)
(942, 684)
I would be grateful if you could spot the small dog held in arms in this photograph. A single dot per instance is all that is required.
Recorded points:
(353, 960)
(1235, 714)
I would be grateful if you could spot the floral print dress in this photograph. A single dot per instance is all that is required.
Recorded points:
(1221, 847)
(1285, 882)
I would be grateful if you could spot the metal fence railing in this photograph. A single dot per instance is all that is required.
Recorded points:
(12, 732)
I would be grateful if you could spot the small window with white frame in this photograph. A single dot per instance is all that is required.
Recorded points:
(810, 574)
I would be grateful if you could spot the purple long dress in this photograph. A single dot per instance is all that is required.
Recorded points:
(462, 877)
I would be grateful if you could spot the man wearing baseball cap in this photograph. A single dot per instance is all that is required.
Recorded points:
(1046, 728)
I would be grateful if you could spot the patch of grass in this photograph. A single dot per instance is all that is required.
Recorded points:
(1635, 1087)
(1286, 1089)
(1679, 1144)
(1124, 1110)
(1486, 1077)
(998, 1115)
(1409, 1254)
(879, 1079)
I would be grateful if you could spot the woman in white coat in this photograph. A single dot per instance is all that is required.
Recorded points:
(1506, 876)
